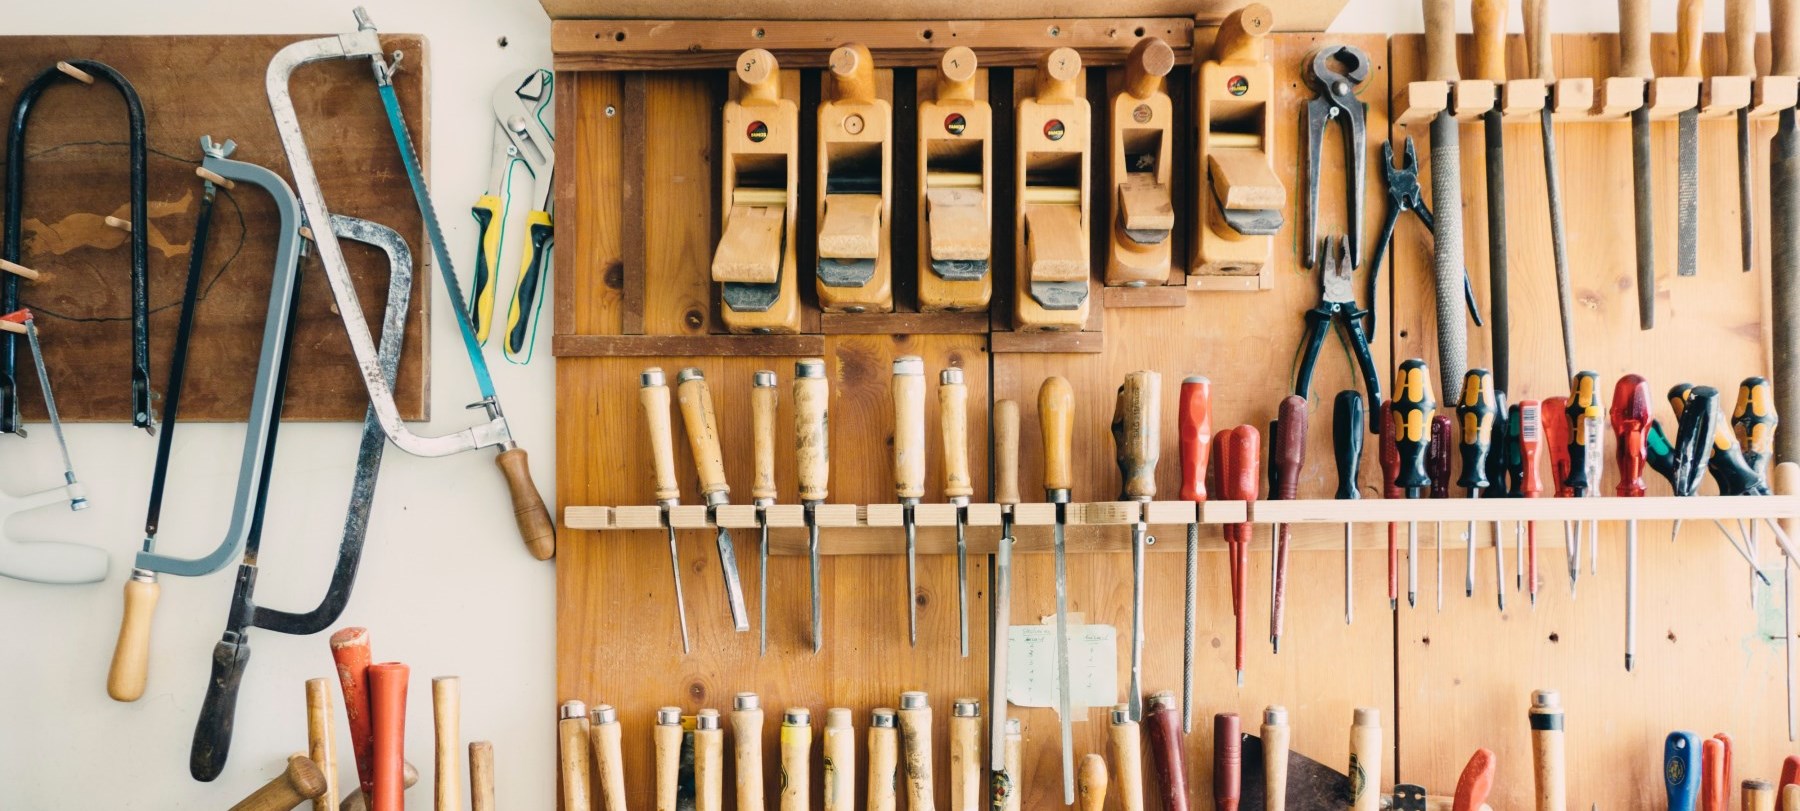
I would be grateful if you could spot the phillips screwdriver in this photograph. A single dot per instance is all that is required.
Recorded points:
(1586, 462)
(1347, 418)
(1056, 421)
(1238, 450)
(1630, 424)
(1006, 494)
(909, 469)
(764, 400)
(1413, 405)
(1389, 456)
(1554, 417)
(703, 440)
(953, 414)
(1289, 449)
(1437, 466)
(1526, 423)
(1137, 439)
(1476, 412)
(812, 459)
(653, 394)
(1195, 425)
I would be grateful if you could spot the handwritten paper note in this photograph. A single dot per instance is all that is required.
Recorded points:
(1031, 679)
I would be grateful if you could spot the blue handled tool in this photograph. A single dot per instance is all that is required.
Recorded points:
(1681, 770)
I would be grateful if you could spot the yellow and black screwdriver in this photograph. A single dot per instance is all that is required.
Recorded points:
(1753, 422)
(1476, 414)
(1587, 432)
(1412, 407)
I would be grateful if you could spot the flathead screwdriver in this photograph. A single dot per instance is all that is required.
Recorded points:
(1194, 423)
(1413, 405)
(1137, 442)
(703, 440)
(1631, 425)
(1476, 411)
(1347, 418)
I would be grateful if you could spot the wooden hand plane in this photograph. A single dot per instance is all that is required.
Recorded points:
(956, 208)
(1055, 128)
(755, 263)
(856, 161)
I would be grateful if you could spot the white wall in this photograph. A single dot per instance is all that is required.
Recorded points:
(444, 584)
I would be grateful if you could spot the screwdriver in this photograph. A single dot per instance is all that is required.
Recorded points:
(703, 440)
(1703, 442)
(1347, 418)
(1238, 451)
(1753, 422)
(1195, 426)
(1389, 456)
(1681, 770)
(1526, 424)
(909, 469)
(1586, 462)
(1137, 438)
(1289, 449)
(764, 400)
(1630, 424)
(1006, 494)
(812, 459)
(1056, 421)
(1476, 412)
(653, 395)
(1555, 419)
(953, 413)
(1437, 466)
(1413, 404)
(1501, 453)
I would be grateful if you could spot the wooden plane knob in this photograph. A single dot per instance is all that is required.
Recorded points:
(1688, 34)
(956, 74)
(764, 401)
(301, 781)
(812, 457)
(1137, 434)
(1489, 17)
(653, 394)
(605, 738)
(760, 74)
(1243, 35)
(909, 427)
(852, 73)
(1634, 39)
(709, 762)
(1150, 60)
(1126, 745)
(953, 414)
(884, 760)
(1056, 76)
(840, 760)
(703, 433)
(1006, 452)
(1538, 53)
(1092, 781)
(1056, 420)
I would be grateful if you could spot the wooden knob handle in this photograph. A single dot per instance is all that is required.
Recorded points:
(953, 413)
(764, 400)
(131, 654)
(1243, 35)
(965, 756)
(301, 781)
(1137, 434)
(1365, 760)
(840, 760)
(909, 427)
(387, 715)
(1006, 452)
(358, 801)
(1489, 17)
(1056, 421)
(1149, 61)
(884, 761)
(1195, 425)
(481, 777)
(1440, 41)
(1164, 725)
(812, 457)
(1688, 36)
(852, 74)
(796, 761)
(1276, 737)
(1784, 46)
(1126, 745)
(665, 740)
(1055, 81)
(605, 737)
(321, 743)
(350, 651)
(709, 762)
(446, 726)
(1740, 39)
(760, 74)
(956, 75)
(1228, 761)
(653, 394)
(747, 742)
(1538, 52)
(1548, 769)
(573, 757)
(915, 751)
(1634, 39)
(1476, 781)
(703, 433)
(1759, 795)
(1091, 783)
(529, 512)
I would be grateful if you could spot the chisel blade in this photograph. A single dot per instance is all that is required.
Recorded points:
(1687, 193)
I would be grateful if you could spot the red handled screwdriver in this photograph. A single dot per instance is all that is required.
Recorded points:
(1630, 425)
(1555, 419)
(1529, 415)
(1289, 449)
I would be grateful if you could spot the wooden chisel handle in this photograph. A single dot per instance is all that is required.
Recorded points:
(840, 760)
(1476, 781)
(1688, 35)
(1228, 761)
(1275, 742)
(1137, 434)
(1740, 37)
(1056, 421)
(666, 741)
(796, 760)
(702, 426)
(1538, 53)
(1759, 795)
(529, 513)
(1548, 769)
(709, 762)
(747, 743)
(387, 711)
(573, 757)
(1365, 760)
(1125, 744)
(356, 800)
(1090, 792)
(446, 718)
(350, 650)
(1006, 452)
(1489, 18)
(1163, 719)
(605, 738)
(1440, 41)
(764, 402)
(653, 395)
(915, 751)
(130, 668)
(909, 427)
(1634, 40)
(884, 761)
(965, 755)
(812, 456)
(953, 418)
(481, 776)
(301, 781)
(321, 743)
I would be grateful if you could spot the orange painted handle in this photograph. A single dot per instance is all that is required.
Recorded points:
(387, 710)
(1713, 776)
(1196, 436)
(350, 649)
(1476, 781)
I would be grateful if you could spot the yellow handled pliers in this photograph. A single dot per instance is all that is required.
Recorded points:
(523, 136)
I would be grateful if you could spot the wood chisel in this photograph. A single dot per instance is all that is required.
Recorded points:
(1275, 737)
(1630, 425)
(1446, 191)
(1056, 421)
(709, 762)
(605, 739)
(387, 716)
(1091, 794)
(1365, 760)
(481, 778)
(1288, 449)
(764, 402)
(1548, 770)
(573, 757)
(1195, 426)
(665, 739)
(1228, 761)
(1681, 770)
(909, 469)
(1543, 67)
(1634, 63)
(915, 751)
(1238, 451)
(1137, 442)
(965, 755)
(796, 760)
(1740, 60)
(653, 394)
(1124, 742)
(1489, 18)
(953, 414)
(1006, 494)
(747, 743)
(1165, 744)
(840, 760)
(1476, 412)
(812, 462)
(1476, 781)
(446, 717)
(302, 780)
(884, 761)
(1347, 418)
(703, 440)
(1688, 37)
(1413, 405)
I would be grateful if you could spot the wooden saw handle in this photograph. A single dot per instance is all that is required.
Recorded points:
(446, 717)
(321, 743)
(529, 512)
(1489, 17)
(1440, 41)
(301, 781)
(1056, 421)
(131, 655)
(909, 427)
(1006, 452)
(812, 457)
(1634, 40)
(764, 401)
(702, 431)
(953, 416)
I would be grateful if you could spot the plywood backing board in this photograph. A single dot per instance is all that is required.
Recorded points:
(1290, 15)
(1706, 660)
(76, 173)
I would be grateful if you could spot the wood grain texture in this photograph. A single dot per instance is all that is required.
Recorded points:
(75, 175)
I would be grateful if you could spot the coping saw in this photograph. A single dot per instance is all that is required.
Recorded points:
(528, 507)
(38, 561)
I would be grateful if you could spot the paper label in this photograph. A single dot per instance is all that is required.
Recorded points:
(1031, 679)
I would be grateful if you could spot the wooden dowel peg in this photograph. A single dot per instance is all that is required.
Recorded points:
(214, 178)
(446, 714)
(19, 270)
(75, 73)
(122, 225)
(19, 329)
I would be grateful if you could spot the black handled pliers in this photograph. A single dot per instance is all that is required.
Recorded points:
(1337, 302)
(1405, 195)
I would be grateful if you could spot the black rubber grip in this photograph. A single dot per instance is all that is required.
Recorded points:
(212, 734)
(1347, 417)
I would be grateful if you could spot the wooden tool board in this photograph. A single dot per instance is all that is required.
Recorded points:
(76, 173)
(1445, 683)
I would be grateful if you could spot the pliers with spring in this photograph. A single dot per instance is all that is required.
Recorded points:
(1337, 302)
(1405, 195)
(522, 137)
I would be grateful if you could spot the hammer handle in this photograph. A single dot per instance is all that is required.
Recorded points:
(301, 781)
(131, 655)
(350, 650)
(1634, 40)
(387, 709)
(446, 724)
(481, 777)
(703, 434)
(356, 800)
